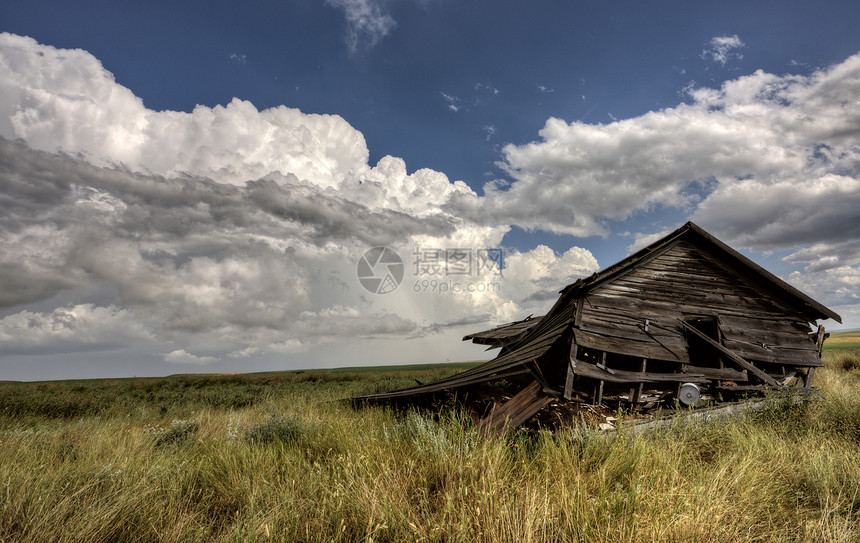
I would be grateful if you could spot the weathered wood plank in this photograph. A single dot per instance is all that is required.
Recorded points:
(726, 374)
(819, 340)
(732, 356)
(655, 308)
(521, 407)
(686, 293)
(592, 371)
(782, 323)
(807, 379)
(774, 355)
(786, 340)
(639, 349)
(634, 333)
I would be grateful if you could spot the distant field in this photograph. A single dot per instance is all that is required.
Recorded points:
(843, 341)
(269, 457)
(388, 369)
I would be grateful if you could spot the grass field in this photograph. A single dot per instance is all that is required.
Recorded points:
(843, 341)
(264, 457)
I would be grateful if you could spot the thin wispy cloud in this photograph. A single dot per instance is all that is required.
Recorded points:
(489, 130)
(367, 22)
(453, 102)
(487, 88)
(721, 49)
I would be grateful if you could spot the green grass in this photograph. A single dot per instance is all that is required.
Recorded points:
(268, 457)
(144, 397)
(843, 341)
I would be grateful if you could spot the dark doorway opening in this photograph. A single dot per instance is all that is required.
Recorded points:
(701, 353)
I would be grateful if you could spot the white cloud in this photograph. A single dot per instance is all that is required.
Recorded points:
(368, 21)
(641, 240)
(539, 274)
(823, 256)
(452, 101)
(223, 233)
(60, 99)
(77, 327)
(179, 356)
(488, 88)
(231, 232)
(721, 49)
(767, 161)
(838, 288)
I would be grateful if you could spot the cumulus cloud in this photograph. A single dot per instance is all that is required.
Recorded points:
(231, 232)
(721, 49)
(368, 21)
(61, 99)
(539, 274)
(824, 256)
(193, 255)
(220, 234)
(766, 161)
(838, 288)
(84, 327)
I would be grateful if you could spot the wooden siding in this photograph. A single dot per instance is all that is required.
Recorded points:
(679, 282)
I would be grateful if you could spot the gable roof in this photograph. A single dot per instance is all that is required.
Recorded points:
(745, 267)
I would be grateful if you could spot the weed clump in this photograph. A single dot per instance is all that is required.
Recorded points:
(276, 429)
(178, 431)
(847, 361)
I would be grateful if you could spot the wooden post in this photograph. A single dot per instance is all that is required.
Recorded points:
(819, 341)
(600, 386)
(807, 380)
(636, 392)
(571, 369)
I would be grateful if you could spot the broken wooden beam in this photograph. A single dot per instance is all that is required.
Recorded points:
(520, 408)
(592, 371)
(732, 356)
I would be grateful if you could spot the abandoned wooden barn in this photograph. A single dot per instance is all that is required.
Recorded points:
(686, 319)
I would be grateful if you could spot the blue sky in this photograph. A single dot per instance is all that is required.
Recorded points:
(584, 129)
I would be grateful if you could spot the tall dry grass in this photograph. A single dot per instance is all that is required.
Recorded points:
(291, 467)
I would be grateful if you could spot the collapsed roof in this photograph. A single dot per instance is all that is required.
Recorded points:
(687, 309)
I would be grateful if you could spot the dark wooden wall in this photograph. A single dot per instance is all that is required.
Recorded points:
(680, 282)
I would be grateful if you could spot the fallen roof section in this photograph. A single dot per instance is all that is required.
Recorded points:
(500, 335)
